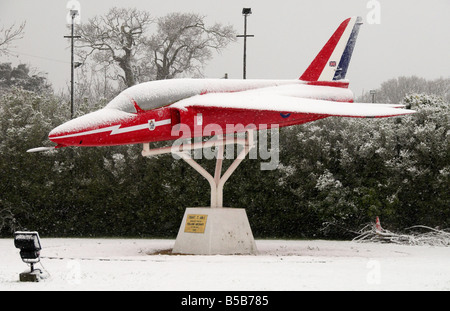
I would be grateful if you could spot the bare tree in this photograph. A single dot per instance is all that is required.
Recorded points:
(184, 43)
(10, 34)
(116, 39)
(122, 42)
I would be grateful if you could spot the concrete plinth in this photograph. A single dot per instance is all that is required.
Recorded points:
(214, 231)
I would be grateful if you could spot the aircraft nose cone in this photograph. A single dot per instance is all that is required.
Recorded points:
(74, 132)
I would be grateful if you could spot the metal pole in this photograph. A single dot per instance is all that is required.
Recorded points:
(72, 66)
(245, 47)
(245, 12)
(71, 72)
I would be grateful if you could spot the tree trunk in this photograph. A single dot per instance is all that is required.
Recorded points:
(162, 72)
(129, 79)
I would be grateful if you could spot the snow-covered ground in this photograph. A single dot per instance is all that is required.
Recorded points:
(134, 264)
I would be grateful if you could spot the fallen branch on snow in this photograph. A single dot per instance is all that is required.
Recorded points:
(374, 233)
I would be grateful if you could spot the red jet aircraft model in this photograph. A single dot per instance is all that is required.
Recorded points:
(149, 111)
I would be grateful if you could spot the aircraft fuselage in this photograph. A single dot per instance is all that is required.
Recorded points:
(148, 112)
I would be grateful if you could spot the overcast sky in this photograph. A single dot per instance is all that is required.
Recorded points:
(411, 37)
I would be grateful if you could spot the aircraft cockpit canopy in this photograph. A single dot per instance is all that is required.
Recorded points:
(149, 96)
(125, 102)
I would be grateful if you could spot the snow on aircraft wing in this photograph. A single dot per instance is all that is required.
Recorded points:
(285, 104)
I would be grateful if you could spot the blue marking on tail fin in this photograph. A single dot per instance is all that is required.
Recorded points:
(341, 70)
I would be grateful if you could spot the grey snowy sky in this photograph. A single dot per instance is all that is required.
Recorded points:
(407, 37)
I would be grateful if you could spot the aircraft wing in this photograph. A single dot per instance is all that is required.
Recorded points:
(282, 103)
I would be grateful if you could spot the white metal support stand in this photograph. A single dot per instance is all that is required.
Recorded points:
(215, 230)
(217, 181)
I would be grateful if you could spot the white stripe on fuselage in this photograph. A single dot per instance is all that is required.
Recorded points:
(116, 129)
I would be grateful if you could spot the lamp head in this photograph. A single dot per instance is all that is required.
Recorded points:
(74, 13)
(29, 245)
(246, 11)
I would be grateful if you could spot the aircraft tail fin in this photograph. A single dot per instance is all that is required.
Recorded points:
(330, 66)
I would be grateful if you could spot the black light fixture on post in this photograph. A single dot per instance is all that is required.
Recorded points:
(245, 12)
(30, 247)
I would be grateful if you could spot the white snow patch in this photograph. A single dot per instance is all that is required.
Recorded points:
(156, 94)
(96, 119)
(296, 103)
(125, 264)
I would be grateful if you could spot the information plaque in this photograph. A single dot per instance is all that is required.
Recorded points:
(195, 223)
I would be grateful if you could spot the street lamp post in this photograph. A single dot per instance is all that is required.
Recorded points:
(372, 92)
(73, 14)
(245, 12)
